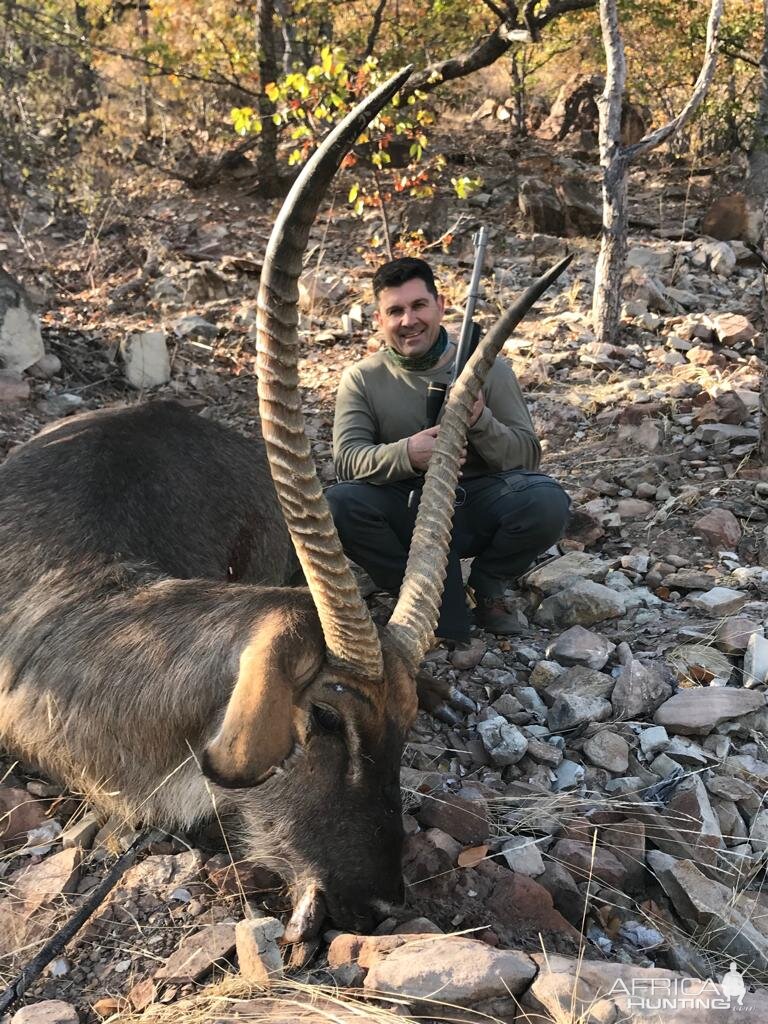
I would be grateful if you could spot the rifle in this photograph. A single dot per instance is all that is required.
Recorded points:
(470, 333)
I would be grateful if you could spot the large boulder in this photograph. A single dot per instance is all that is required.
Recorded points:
(575, 112)
(733, 217)
(541, 207)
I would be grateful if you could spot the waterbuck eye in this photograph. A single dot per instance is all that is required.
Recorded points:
(327, 719)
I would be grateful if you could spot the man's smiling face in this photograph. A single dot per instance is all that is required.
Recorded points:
(409, 317)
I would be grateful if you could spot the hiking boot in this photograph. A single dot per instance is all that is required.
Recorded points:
(491, 615)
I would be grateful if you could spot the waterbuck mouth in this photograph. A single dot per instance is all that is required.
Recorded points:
(311, 909)
(309, 912)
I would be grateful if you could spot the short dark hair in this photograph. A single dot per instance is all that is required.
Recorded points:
(397, 272)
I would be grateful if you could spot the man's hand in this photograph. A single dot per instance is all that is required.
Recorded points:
(421, 446)
(477, 409)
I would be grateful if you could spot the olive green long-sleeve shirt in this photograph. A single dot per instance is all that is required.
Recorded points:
(379, 406)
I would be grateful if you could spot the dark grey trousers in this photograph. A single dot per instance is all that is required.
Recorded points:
(503, 520)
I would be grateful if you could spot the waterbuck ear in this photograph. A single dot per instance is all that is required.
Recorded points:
(258, 731)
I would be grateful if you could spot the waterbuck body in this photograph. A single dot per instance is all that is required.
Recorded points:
(123, 639)
(154, 483)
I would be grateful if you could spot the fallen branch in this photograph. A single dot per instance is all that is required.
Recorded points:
(54, 945)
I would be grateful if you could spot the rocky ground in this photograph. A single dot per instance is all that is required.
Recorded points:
(595, 832)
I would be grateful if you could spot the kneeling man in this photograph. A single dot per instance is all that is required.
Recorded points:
(506, 511)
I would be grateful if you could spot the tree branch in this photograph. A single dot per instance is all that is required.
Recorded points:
(555, 8)
(510, 15)
(373, 35)
(699, 91)
(485, 52)
(729, 51)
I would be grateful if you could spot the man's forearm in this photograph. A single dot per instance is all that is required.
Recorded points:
(374, 463)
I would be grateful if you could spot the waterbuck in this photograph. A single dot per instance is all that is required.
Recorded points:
(140, 664)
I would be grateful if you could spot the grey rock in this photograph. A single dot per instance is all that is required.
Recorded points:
(758, 832)
(146, 360)
(544, 673)
(82, 834)
(709, 433)
(582, 604)
(579, 646)
(544, 753)
(503, 741)
(568, 774)
(49, 1011)
(21, 343)
(532, 702)
(462, 970)
(607, 750)
(698, 711)
(587, 682)
(571, 710)
(734, 923)
(195, 326)
(13, 388)
(46, 367)
(638, 691)
(64, 404)
(653, 740)
(523, 856)
(733, 634)
(718, 602)
(258, 955)
(686, 752)
(631, 784)
(198, 953)
(665, 767)
(756, 661)
(552, 576)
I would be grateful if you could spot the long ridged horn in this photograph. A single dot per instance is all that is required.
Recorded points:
(350, 635)
(416, 613)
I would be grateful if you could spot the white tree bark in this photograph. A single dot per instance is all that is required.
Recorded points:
(757, 188)
(615, 160)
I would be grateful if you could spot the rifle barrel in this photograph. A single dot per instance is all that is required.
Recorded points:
(465, 338)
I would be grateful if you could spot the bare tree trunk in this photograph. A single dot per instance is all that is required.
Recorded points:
(517, 72)
(615, 160)
(757, 180)
(757, 188)
(606, 302)
(270, 184)
(147, 100)
(763, 440)
(290, 49)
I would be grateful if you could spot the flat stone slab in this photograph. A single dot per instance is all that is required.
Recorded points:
(718, 601)
(198, 954)
(451, 969)
(699, 710)
(734, 925)
(552, 576)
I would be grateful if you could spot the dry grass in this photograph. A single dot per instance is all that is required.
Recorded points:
(292, 1002)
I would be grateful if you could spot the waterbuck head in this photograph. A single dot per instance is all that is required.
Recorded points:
(312, 736)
